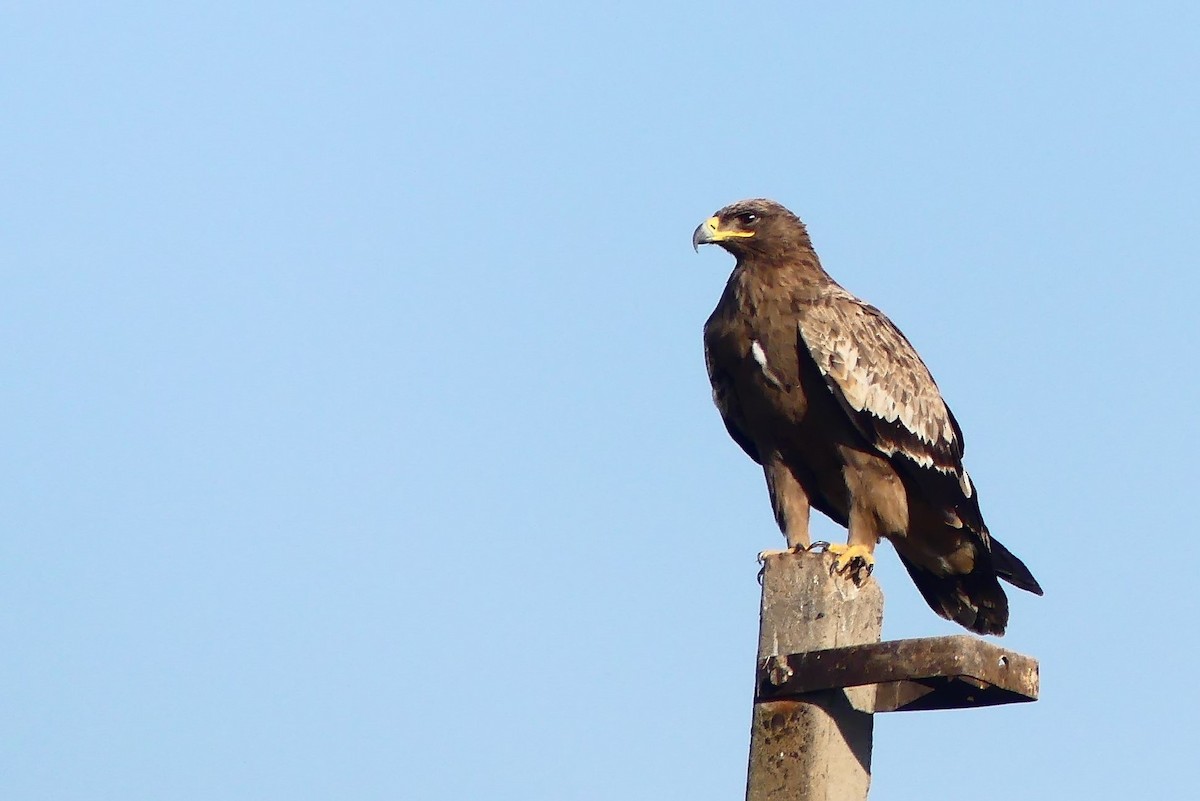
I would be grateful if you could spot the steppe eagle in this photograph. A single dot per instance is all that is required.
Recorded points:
(825, 393)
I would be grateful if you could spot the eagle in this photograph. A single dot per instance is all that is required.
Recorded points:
(829, 397)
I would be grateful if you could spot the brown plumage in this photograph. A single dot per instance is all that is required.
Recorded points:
(825, 393)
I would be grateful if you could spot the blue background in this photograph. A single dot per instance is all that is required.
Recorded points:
(357, 439)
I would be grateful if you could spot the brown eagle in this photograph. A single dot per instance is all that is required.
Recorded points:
(825, 393)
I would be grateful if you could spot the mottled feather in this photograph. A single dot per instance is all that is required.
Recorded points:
(886, 389)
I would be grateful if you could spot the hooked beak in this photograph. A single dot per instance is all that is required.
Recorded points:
(705, 234)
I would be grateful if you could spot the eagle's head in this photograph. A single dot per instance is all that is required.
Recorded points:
(757, 227)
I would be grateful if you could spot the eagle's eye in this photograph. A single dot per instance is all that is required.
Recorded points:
(747, 218)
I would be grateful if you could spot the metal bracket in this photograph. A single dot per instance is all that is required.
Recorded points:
(958, 672)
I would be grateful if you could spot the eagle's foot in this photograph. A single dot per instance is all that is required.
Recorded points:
(855, 562)
(817, 547)
(764, 555)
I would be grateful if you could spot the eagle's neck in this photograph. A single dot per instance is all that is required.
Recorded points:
(792, 277)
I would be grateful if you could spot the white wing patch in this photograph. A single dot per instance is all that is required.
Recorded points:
(760, 355)
(760, 358)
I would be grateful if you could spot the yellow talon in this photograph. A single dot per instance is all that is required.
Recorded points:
(816, 547)
(855, 562)
(762, 555)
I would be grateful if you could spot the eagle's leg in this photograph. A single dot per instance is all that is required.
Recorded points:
(789, 501)
(856, 559)
(855, 562)
(878, 505)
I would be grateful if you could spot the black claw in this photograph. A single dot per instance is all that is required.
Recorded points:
(822, 544)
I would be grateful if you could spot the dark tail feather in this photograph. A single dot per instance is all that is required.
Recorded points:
(1012, 569)
(974, 600)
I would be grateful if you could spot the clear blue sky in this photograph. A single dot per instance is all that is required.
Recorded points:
(357, 439)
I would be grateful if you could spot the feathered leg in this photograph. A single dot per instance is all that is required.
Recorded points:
(856, 559)
(878, 504)
(789, 501)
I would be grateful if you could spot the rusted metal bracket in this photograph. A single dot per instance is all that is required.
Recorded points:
(956, 672)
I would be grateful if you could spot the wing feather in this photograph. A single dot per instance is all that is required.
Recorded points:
(882, 383)
(726, 400)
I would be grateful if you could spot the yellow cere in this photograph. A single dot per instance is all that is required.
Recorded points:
(717, 234)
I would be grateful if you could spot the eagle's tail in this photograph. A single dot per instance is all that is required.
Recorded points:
(1012, 569)
(974, 600)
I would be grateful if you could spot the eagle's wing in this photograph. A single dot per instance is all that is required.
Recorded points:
(726, 400)
(884, 387)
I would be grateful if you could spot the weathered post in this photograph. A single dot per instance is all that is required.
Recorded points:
(822, 673)
(818, 747)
